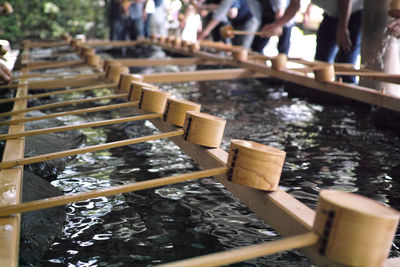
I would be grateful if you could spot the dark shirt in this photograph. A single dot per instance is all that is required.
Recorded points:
(244, 12)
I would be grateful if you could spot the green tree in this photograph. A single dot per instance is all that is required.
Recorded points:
(36, 19)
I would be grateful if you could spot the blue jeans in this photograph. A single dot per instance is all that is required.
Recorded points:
(327, 49)
(283, 44)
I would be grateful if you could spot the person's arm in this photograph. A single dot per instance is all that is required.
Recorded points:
(394, 28)
(208, 29)
(5, 73)
(342, 32)
(218, 16)
(275, 27)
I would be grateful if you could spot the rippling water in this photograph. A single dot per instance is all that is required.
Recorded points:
(329, 145)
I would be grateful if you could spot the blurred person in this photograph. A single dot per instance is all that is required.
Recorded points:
(238, 13)
(159, 20)
(393, 28)
(148, 12)
(190, 23)
(136, 19)
(339, 34)
(5, 73)
(273, 10)
(118, 15)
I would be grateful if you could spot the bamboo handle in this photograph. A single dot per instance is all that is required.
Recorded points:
(241, 254)
(71, 82)
(61, 104)
(77, 75)
(52, 65)
(73, 152)
(63, 200)
(60, 92)
(246, 32)
(9, 86)
(73, 112)
(79, 126)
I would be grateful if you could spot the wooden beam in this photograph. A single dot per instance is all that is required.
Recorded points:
(356, 92)
(139, 62)
(100, 43)
(283, 212)
(200, 75)
(11, 186)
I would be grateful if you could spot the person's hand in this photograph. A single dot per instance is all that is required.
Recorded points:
(271, 29)
(343, 40)
(394, 28)
(5, 73)
(201, 35)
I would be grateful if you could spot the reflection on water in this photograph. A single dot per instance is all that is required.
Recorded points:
(328, 146)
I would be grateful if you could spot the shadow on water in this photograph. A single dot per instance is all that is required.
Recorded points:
(329, 144)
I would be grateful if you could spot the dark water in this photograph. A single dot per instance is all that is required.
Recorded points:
(329, 144)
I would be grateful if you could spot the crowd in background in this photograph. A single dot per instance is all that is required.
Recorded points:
(338, 37)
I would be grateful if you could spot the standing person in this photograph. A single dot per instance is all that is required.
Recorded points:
(148, 12)
(158, 21)
(190, 23)
(339, 34)
(273, 10)
(239, 15)
(136, 24)
(118, 20)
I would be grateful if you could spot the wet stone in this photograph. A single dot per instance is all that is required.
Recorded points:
(38, 228)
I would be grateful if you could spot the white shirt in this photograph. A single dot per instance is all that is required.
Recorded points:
(331, 7)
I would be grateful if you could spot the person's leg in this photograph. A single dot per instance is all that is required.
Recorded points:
(355, 24)
(326, 40)
(259, 43)
(118, 32)
(284, 40)
(136, 28)
(147, 26)
(250, 25)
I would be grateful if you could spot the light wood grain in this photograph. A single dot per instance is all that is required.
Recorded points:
(246, 253)
(61, 92)
(61, 104)
(78, 126)
(69, 113)
(66, 199)
(73, 152)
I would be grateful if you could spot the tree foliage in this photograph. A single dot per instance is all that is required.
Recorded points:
(49, 19)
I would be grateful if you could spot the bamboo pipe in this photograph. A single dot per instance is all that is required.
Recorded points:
(60, 92)
(79, 126)
(250, 252)
(66, 199)
(63, 103)
(68, 113)
(73, 152)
